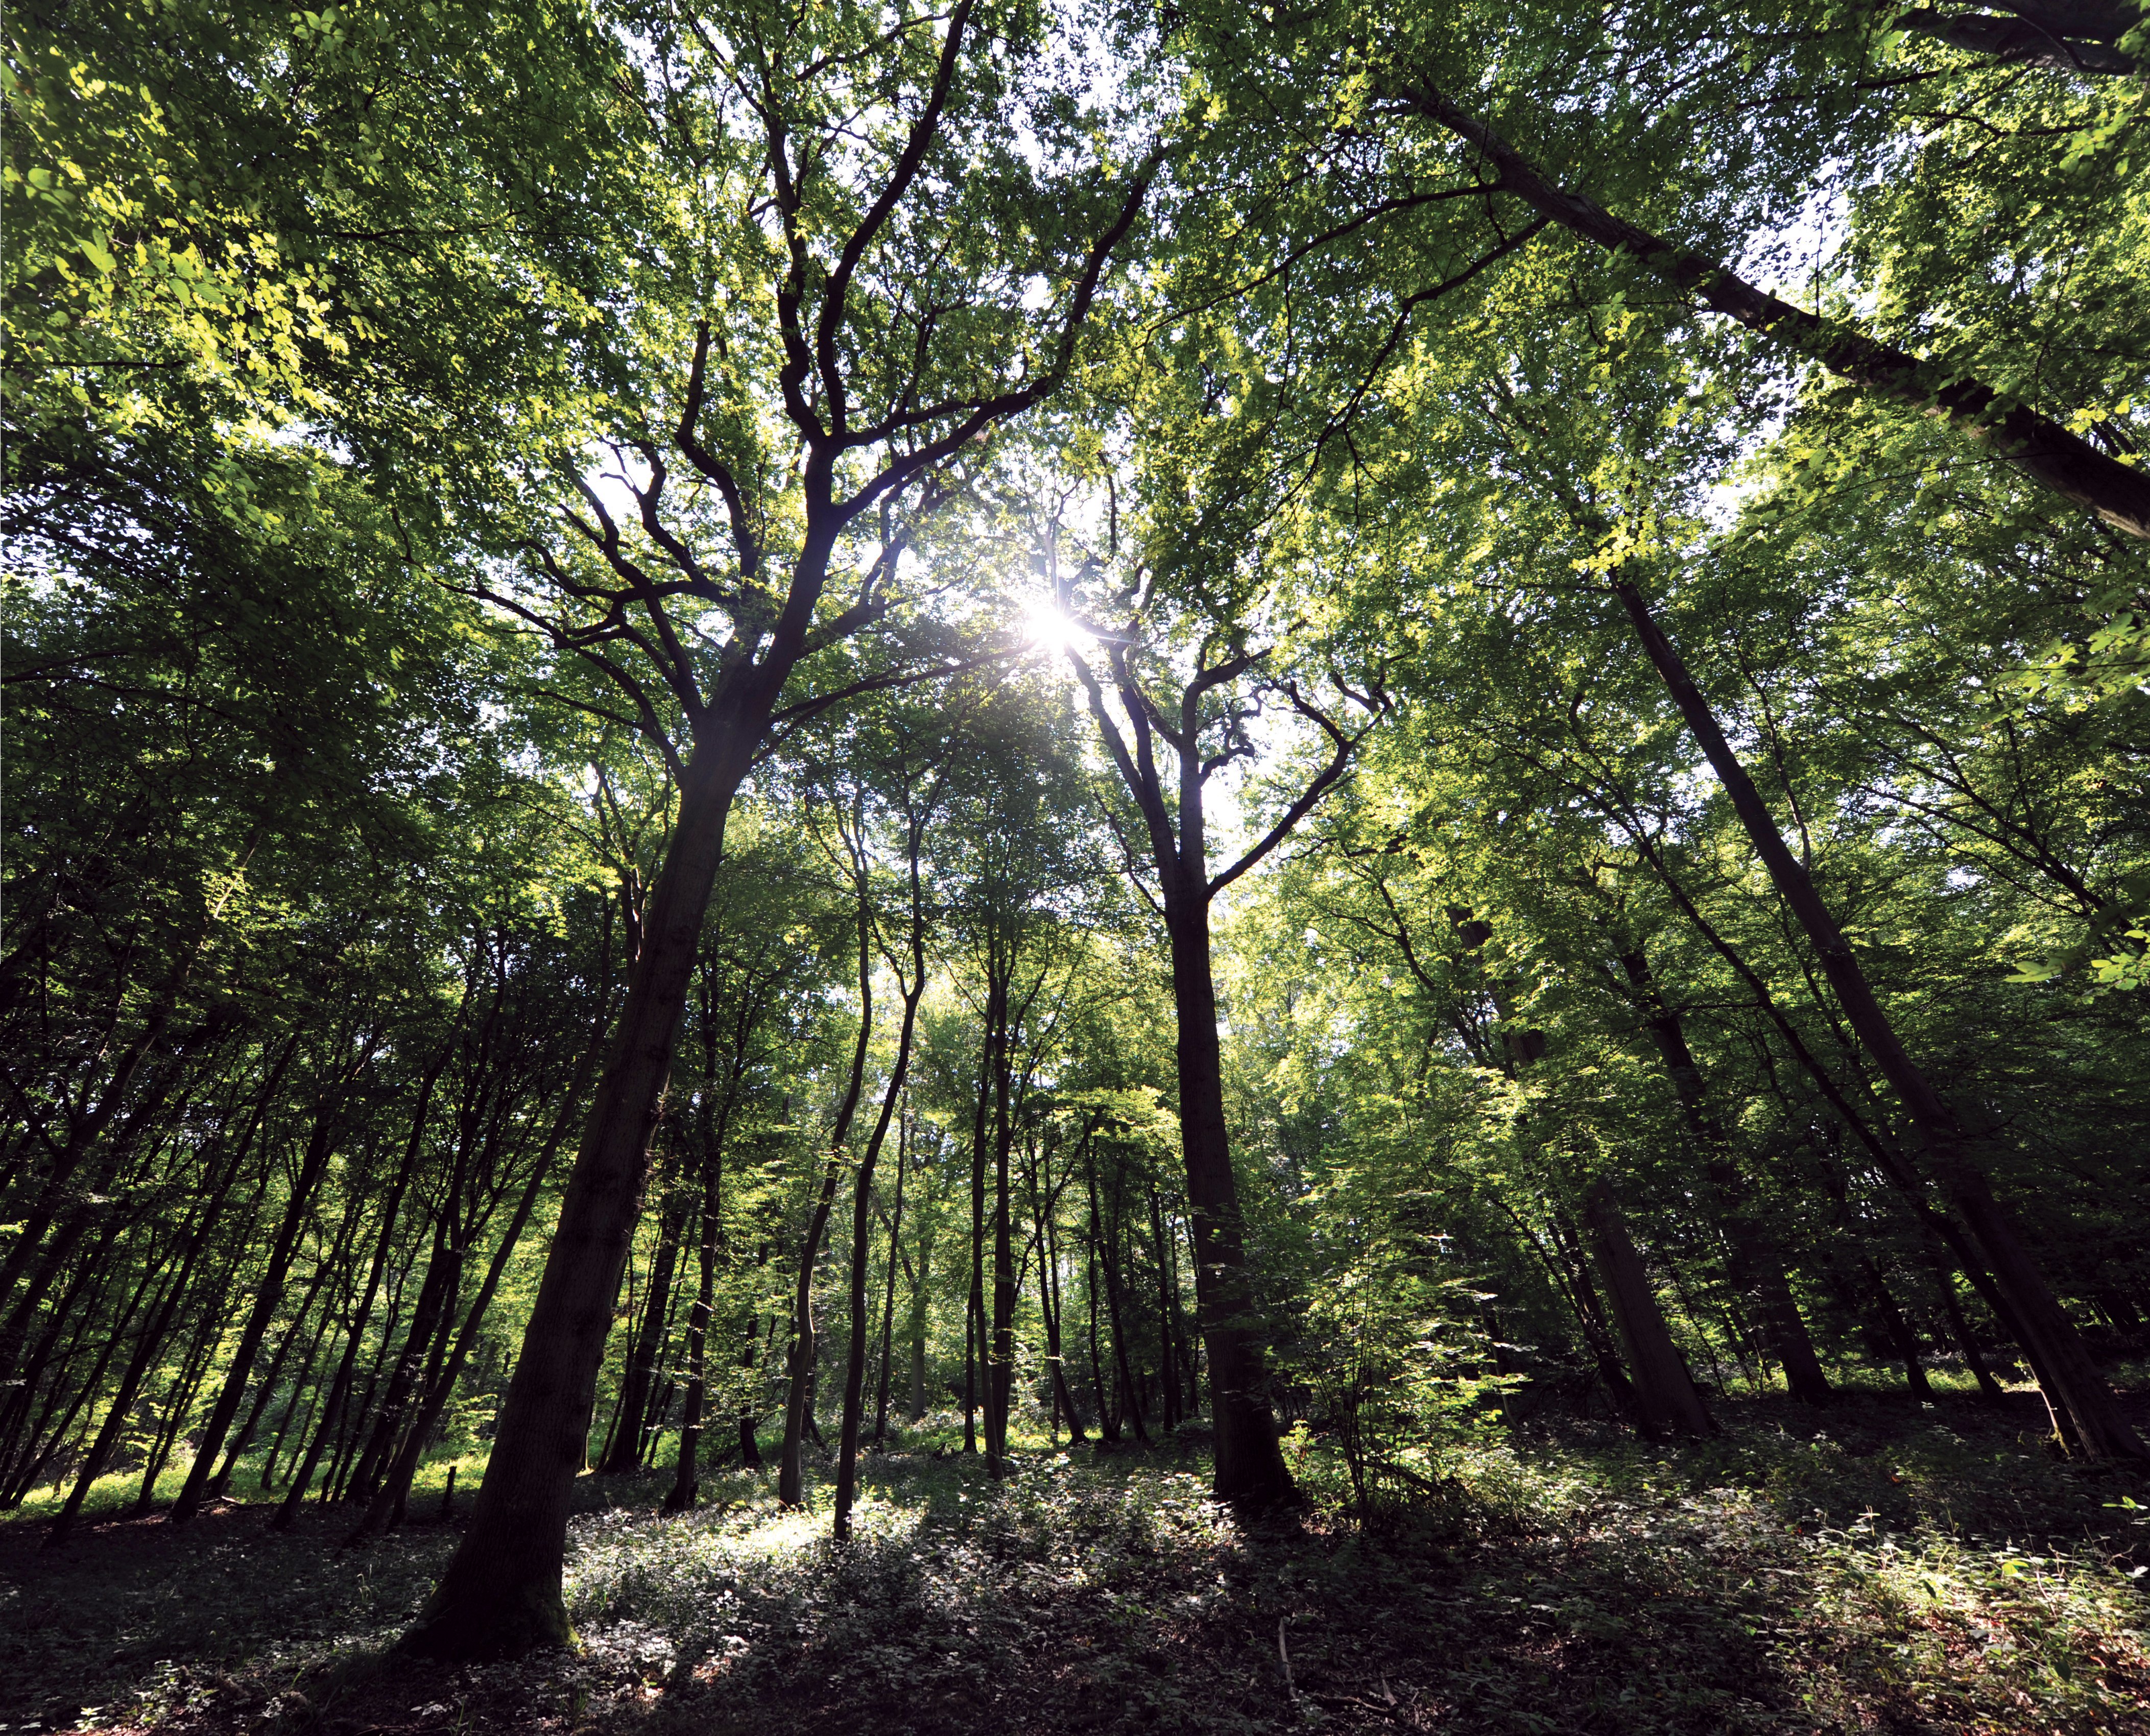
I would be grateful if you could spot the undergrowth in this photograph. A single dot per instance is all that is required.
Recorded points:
(1862, 1568)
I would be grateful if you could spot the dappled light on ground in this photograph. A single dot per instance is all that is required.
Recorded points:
(1875, 1566)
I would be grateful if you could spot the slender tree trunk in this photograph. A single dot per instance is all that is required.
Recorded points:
(1167, 1382)
(797, 1408)
(1989, 1389)
(1665, 1395)
(386, 1509)
(267, 1390)
(302, 1391)
(1898, 1331)
(331, 1413)
(888, 1296)
(180, 1396)
(686, 1474)
(1115, 1229)
(436, 1297)
(999, 1378)
(1571, 1276)
(1109, 1415)
(268, 1294)
(974, 1323)
(624, 1452)
(2062, 1360)
(1049, 1303)
(921, 1297)
(1757, 1269)
(2042, 448)
(854, 1359)
(749, 1447)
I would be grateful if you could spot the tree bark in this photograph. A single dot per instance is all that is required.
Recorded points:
(855, 1360)
(625, 1451)
(1665, 1397)
(2059, 1356)
(798, 1412)
(888, 1295)
(1758, 1268)
(2042, 448)
(268, 1294)
(686, 1474)
(501, 1595)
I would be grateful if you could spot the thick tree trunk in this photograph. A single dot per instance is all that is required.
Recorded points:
(501, 1595)
(2063, 1361)
(1249, 1463)
(1665, 1395)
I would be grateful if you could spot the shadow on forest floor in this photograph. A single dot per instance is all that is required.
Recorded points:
(1870, 1567)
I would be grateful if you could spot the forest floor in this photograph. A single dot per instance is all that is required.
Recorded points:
(1870, 1567)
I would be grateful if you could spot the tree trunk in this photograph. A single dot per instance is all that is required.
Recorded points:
(1250, 1465)
(647, 1350)
(974, 1325)
(1130, 1393)
(1757, 1269)
(347, 1365)
(686, 1474)
(1000, 1376)
(386, 1509)
(1665, 1397)
(1109, 1415)
(797, 1408)
(268, 1294)
(750, 1446)
(501, 1595)
(1168, 1383)
(855, 1358)
(2062, 1360)
(888, 1295)
(1048, 1304)
(919, 1297)
(2042, 448)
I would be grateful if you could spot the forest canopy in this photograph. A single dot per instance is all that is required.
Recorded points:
(748, 745)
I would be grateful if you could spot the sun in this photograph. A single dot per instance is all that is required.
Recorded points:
(1046, 629)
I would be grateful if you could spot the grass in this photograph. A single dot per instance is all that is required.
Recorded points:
(1869, 1568)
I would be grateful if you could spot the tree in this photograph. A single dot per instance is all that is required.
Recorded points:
(879, 395)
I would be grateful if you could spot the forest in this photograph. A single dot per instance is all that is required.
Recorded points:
(976, 865)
